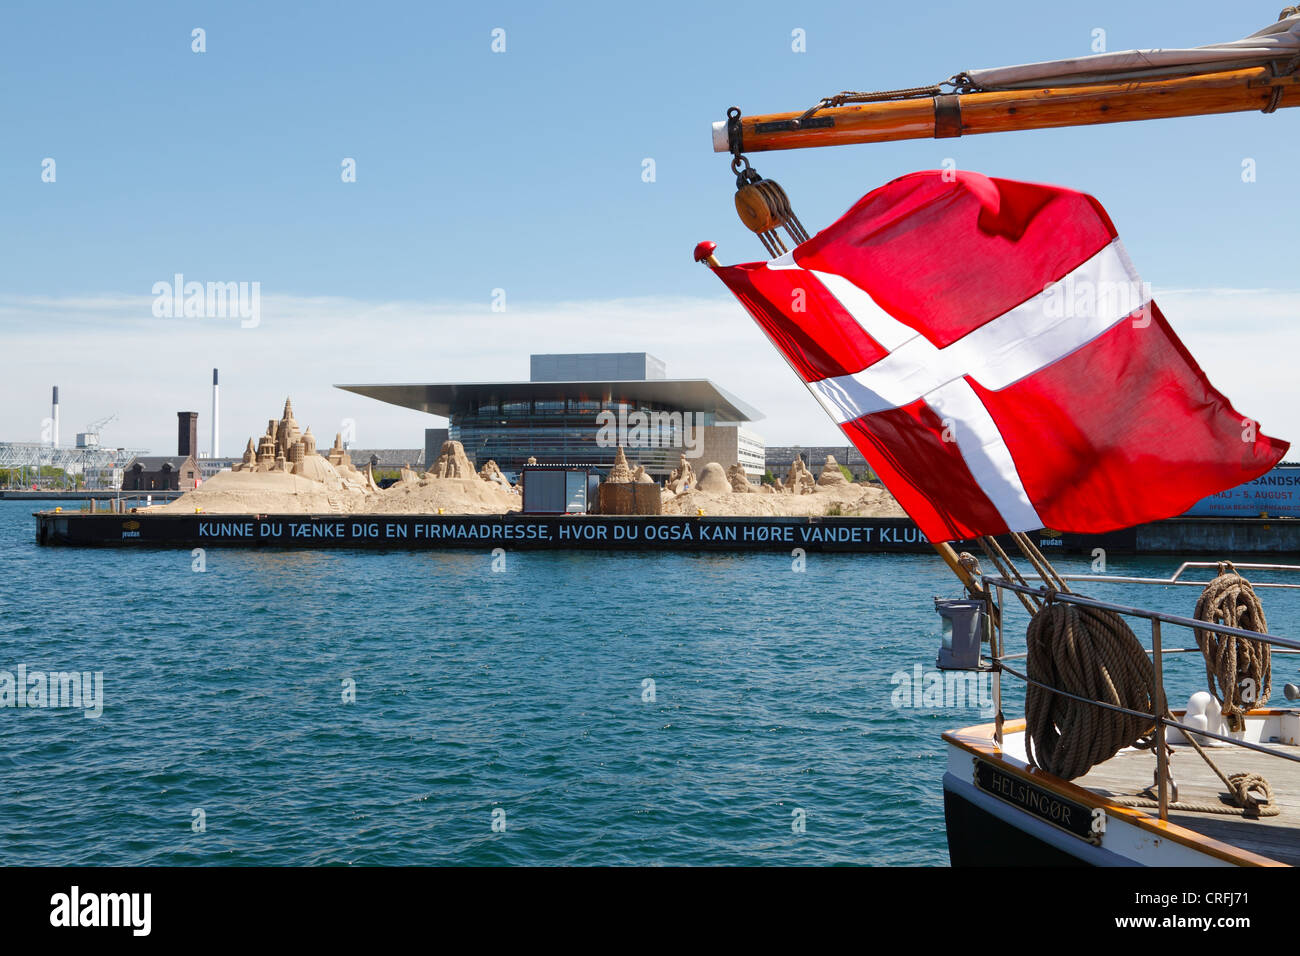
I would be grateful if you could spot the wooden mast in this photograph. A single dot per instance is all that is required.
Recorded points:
(962, 114)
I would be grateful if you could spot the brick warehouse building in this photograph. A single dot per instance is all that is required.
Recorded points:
(168, 472)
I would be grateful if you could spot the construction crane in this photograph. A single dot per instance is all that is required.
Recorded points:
(90, 437)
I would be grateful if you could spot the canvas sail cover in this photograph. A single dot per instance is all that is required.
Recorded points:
(1278, 42)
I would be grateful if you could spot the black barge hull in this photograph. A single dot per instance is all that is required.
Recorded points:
(1183, 536)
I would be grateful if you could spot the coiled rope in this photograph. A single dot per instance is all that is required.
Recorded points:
(1239, 670)
(1249, 793)
(1090, 653)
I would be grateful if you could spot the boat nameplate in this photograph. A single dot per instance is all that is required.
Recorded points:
(1074, 818)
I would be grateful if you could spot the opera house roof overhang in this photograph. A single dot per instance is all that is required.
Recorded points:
(445, 399)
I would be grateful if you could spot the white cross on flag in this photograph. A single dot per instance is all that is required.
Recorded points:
(989, 348)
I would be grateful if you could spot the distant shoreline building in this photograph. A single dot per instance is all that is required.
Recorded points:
(576, 408)
(179, 472)
(779, 458)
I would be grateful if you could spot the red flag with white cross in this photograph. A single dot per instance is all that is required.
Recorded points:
(990, 349)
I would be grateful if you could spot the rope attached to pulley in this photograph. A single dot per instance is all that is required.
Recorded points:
(1239, 670)
(761, 203)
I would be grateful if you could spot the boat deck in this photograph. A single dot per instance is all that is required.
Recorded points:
(1127, 773)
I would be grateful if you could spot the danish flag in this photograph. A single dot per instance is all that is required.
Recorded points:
(990, 349)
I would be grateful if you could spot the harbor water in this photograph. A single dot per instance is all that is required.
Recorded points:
(389, 707)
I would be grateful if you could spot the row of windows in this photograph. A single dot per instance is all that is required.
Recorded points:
(571, 406)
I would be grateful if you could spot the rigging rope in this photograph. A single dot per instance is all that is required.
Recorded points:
(1091, 653)
(1239, 670)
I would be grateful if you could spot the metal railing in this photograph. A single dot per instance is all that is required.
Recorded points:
(1157, 618)
(1177, 577)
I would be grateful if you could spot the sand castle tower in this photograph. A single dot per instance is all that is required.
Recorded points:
(266, 452)
(338, 455)
(249, 461)
(286, 433)
(621, 472)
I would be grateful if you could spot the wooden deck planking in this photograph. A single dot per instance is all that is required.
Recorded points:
(1127, 773)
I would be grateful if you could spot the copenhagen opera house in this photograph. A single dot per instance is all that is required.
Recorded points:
(575, 409)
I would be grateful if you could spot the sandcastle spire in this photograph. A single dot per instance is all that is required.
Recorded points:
(621, 472)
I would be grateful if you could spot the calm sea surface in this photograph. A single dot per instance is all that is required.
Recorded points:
(521, 695)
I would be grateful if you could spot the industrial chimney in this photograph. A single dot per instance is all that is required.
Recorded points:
(187, 434)
(216, 415)
(54, 415)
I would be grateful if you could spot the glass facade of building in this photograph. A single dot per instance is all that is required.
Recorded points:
(570, 431)
(577, 408)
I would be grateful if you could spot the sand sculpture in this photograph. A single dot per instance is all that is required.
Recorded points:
(618, 492)
(799, 480)
(452, 462)
(621, 473)
(713, 480)
(284, 447)
(451, 486)
(282, 472)
(491, 472)
(682, 478)
(831, 473)
(740, 481)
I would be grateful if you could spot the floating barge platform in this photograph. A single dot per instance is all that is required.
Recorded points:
(83, 494)
(1181, 536)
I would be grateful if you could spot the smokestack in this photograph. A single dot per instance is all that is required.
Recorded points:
(187, 434)
(216, 415)
(54, 414)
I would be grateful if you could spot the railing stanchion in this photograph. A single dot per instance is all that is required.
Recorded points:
(1158, 704)
(995, 652)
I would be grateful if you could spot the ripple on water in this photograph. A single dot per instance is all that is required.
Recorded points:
(525, 692)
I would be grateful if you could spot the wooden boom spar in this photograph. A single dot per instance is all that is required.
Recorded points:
(946, 115)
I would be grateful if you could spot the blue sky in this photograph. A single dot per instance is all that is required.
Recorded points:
(522, 171)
